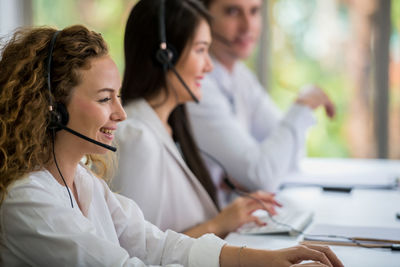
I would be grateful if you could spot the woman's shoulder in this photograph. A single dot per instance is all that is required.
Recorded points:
(40, 179)
(130, 128)
(134, 126)
(33, 190)
(137, 130)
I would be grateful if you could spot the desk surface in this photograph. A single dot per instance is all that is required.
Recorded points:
(361, 207)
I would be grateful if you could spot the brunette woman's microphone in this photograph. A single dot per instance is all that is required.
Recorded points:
(163, 56)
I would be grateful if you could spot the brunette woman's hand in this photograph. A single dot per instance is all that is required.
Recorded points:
(240, 212)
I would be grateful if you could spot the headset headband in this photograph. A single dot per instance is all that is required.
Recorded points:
(49, 60)
(163, 38)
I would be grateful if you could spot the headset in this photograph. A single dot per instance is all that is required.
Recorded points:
(165, 53)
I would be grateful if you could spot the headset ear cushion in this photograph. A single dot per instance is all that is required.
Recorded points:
(166, 57)
(62, 110)
(58, 116)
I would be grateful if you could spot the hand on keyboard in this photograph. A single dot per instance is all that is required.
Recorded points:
(289, 220)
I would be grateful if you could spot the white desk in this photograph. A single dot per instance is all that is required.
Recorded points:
(361, 207)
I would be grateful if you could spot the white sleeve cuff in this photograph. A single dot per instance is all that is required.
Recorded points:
(300, 117)
(206, 251)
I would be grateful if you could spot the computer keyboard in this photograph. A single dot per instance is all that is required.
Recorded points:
(289, 214)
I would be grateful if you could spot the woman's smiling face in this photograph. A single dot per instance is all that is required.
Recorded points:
(95, 108)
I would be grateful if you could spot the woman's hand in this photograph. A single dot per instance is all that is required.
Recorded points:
(313, 97)
(240, 212)
(293, 256)
(309, 264)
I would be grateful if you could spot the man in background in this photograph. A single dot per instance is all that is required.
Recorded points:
(236, 122)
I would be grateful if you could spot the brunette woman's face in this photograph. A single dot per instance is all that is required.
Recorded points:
(95, 107)
(194, 63)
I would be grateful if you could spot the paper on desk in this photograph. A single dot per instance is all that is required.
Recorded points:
(321, 232)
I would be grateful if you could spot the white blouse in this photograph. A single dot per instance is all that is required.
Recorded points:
(152, 172)
(39, 227)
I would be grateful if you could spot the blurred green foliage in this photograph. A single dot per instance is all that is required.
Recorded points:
(291, 65)
(104, 16)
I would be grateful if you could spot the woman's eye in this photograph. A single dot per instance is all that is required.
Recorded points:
(105, 100)
(200, 50)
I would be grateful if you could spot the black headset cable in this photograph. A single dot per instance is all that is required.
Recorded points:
(58, 169)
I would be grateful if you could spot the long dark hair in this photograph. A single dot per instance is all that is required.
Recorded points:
(206, 3)
(145, 78)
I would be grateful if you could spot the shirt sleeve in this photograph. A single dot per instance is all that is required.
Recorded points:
(158, 246)
(41, 232)
(255, 159)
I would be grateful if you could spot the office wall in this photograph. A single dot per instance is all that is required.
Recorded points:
(14, 14)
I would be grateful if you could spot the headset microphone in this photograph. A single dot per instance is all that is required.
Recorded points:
(195, 99)
(165, 54)
(84, 137)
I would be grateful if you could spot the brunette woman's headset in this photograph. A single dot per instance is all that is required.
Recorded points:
(165, 54)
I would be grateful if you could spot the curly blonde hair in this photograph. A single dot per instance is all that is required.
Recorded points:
(25, 141)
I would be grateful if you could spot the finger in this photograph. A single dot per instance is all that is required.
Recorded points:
(328, 104)
(246, 205)
(315, 255)
(252, 206)
(328, 252)
(332, 109)
(265, 206)
(329, 108)
(257, 221)
(270, 209)
(309, 264)
(266, 198)
(278, 204)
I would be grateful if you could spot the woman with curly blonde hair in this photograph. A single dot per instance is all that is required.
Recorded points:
(25, 142)
(54, 210)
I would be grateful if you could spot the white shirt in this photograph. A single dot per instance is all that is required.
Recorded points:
(238, 124)
(152, 172)
(40, 228)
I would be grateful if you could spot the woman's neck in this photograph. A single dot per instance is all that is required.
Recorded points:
(67, 160)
